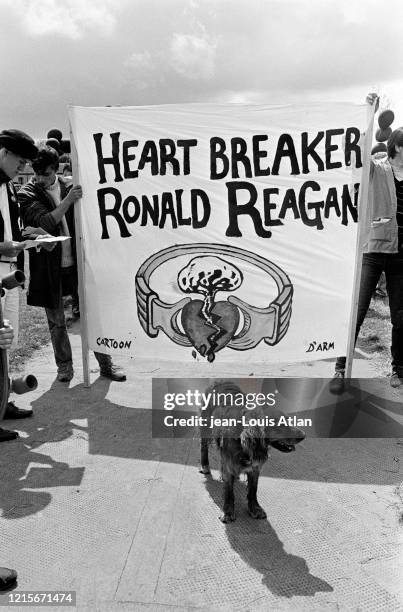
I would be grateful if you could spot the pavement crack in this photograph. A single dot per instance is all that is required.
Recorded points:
(173, 516)
(137, 528)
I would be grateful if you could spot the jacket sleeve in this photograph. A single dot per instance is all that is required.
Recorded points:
(35, 213)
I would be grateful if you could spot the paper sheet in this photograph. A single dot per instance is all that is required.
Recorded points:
(29, 244)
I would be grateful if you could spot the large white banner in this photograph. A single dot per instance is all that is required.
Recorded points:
(219, 233)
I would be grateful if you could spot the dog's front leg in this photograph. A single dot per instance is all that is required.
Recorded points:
(229, 510)
(255, 510)
(204, 461)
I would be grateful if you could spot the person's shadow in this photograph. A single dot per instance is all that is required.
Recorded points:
(23, 469)
(19, 479)
(85, 414)
(256, 542)
(110, 429)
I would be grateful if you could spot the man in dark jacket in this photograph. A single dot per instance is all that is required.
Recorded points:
(16, 148)
(47, 202)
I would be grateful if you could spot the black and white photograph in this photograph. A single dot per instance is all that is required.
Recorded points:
(201, 319)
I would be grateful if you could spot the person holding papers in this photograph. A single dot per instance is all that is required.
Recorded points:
(16, 149)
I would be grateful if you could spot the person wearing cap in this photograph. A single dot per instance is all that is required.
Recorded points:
(16, 148)
(383, 249)
(47, 202)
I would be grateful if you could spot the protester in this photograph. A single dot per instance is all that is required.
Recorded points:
(383, 249)
(16, 148)
(47, 202)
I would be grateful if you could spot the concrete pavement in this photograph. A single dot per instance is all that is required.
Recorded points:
(92, 503)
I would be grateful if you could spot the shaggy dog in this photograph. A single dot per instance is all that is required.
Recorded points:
(243, 448)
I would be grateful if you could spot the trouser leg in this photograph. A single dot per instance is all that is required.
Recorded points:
(394, 285)
(372, 266)
(11, 310)
(11, 313)
(70, 287)
(59, 336)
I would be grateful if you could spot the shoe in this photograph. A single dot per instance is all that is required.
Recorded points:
(337, 384)
(5, 436)
(8, 578)
(13, 412)
(65, 375)
(396, 378)
(113, 372)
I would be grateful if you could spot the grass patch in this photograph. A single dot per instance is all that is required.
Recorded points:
(375, 335)
(33, 334)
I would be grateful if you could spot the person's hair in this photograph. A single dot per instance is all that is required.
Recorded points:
(67, 167)
(46, 157)
(396, 138)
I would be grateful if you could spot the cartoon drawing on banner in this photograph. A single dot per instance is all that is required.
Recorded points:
(210, 325)
(207, 275)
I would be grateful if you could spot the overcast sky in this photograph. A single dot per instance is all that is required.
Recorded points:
(130, 52)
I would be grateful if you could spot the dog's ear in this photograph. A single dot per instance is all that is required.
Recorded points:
(254, 443)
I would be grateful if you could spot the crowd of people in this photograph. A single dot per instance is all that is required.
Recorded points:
(42, 206)
(45, 205)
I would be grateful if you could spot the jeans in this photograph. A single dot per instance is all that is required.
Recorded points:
(373, 264)
(59, 336)
(60, 339)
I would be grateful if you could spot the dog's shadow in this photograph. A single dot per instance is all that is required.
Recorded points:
(256, 542)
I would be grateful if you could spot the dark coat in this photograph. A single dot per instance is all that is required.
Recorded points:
(36, 206)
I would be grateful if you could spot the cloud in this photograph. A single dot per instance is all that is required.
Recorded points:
(193, 56)
(204, 49)
(68, 18)
(174, 61)
(143, 69)
(176, 51)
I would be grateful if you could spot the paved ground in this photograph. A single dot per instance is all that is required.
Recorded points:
(90, 502)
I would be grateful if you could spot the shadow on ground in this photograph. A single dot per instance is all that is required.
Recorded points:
(258, 545)
(119, 431)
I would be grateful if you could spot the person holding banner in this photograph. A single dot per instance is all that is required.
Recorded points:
(16, 148)
(383, 249)
(47, 202)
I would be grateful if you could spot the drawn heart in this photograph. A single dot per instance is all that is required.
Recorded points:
(206, 339)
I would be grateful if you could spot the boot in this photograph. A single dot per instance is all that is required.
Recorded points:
(396, 378)
(337, 384)
(6, 435)
(108, 369)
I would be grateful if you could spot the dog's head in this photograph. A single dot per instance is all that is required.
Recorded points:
(230, 402)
